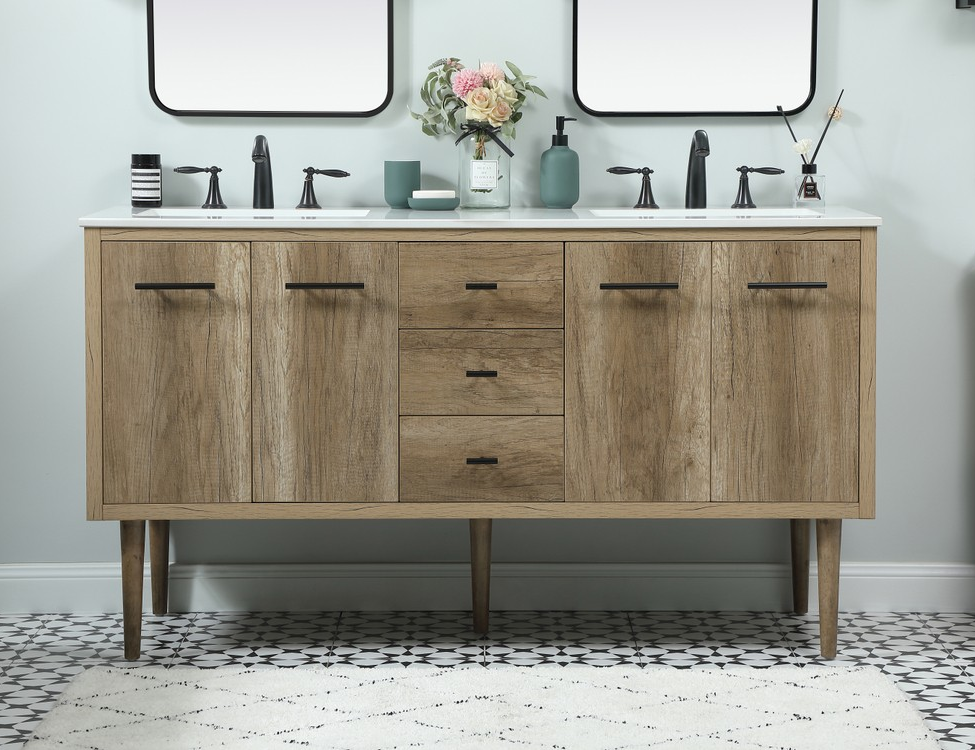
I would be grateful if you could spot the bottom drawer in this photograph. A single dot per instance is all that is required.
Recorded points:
(481, 459)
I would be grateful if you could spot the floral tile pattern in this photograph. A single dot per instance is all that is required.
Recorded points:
(930, 656)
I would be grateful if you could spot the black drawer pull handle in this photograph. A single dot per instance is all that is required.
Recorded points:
(324, 285)
(787, 285)
(481, 285)
(173, 286)
(482, 373)
(641, 285)
(482, 461)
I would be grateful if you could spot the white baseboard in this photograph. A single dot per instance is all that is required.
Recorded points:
(864, 587)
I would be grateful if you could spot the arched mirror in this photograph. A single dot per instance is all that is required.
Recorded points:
(327, 58)
(707, 57)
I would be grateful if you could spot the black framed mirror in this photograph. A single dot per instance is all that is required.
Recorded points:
(311, 58)
(708, 57)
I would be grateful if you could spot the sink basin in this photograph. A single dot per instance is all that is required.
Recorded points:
(705, 213)
(254, 213)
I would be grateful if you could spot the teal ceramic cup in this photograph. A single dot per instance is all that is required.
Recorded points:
(400, 179)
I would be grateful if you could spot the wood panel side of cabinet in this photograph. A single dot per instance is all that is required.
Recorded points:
(785, 401)
(93, 374)
(176, 381)
(868, 373)
(325, 372)
(638, 373)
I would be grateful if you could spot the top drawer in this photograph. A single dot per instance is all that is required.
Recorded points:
(480, 284)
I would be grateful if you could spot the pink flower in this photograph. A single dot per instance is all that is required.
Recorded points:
(491, 72)
(465, 81)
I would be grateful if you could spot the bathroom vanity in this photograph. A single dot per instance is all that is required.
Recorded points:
(516, 364)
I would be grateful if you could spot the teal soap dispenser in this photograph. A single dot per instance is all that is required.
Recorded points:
(560, 170)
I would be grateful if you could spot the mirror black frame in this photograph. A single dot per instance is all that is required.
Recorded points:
(266, 113)
(684, 113)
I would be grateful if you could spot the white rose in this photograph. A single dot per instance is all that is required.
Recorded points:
(504, 90)
(500, 114)
(480, 102)
(803, 147)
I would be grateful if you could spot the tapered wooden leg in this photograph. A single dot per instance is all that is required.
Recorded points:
(800, 565)
(133, 535)
(828, 559)
(481, 571)
(159, 563)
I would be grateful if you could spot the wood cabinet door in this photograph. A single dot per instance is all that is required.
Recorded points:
(325, 358)
(785, 417)
(637, 368)
(176, 383)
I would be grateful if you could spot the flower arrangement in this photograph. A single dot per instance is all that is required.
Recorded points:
(808, 188)
(485, 97)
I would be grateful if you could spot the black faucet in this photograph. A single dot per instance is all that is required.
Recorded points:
(263, 188)
(696, 194)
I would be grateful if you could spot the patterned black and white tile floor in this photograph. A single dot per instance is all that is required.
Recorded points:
(931, 656)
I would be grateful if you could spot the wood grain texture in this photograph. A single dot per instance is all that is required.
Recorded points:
(868, 373)
(453, 509)
(159, 565)
(799, 533)
(93, 374)
(176, 374)
(558, 234)
(637, 373)
(481, 573)
(828, 533)
(325, 398)
(786, 374)
(433, 278)
(434, 453)
(132, 536)
(434, 366)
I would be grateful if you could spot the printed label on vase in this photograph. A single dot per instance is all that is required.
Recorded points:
(484, 174)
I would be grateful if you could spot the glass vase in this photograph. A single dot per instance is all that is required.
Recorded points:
(484, 173)
(810, 188)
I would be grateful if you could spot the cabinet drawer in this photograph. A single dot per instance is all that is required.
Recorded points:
(481, 285)
(481, 459)
(481, 372)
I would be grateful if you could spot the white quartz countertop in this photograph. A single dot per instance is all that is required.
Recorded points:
(521, 218)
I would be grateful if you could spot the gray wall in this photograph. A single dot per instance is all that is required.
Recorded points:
(76, 104)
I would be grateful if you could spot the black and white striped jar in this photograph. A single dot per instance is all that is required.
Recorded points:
(146, 181)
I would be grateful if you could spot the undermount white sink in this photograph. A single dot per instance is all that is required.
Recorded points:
(705, 213)
(255, 213)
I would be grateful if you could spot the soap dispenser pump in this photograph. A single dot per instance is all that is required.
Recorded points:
(560, 169)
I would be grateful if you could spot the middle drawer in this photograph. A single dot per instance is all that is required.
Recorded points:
(503, 372)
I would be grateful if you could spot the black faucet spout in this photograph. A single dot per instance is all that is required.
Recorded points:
(263, 185)
(696, 192)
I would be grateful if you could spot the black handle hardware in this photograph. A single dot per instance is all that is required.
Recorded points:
(482, 461)
(744, 197)
(480, 285)
(214, 199)
(324, 285)
(173, 285)
(482, 373)
(641, 285)
(787, 285)
(308, 199)
(646, 191)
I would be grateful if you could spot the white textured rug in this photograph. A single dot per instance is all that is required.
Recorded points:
(460, 708)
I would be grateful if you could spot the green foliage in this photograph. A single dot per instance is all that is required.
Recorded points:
(446, 112)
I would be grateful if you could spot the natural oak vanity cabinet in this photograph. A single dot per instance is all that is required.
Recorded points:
(400, 371)
(176, 399)
(324, 322)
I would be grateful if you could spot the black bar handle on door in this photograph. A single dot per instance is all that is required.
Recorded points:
(171, 286)
(481, 285)
(324, 285)
(482, 373)
(787, 285)
(482, 461)
(640, 285)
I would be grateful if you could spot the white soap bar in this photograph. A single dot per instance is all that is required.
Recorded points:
(434, 194)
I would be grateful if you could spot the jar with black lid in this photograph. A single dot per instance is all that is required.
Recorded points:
(146, 181)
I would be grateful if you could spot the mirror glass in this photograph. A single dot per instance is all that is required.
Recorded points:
(674, 57)
(287, 57)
